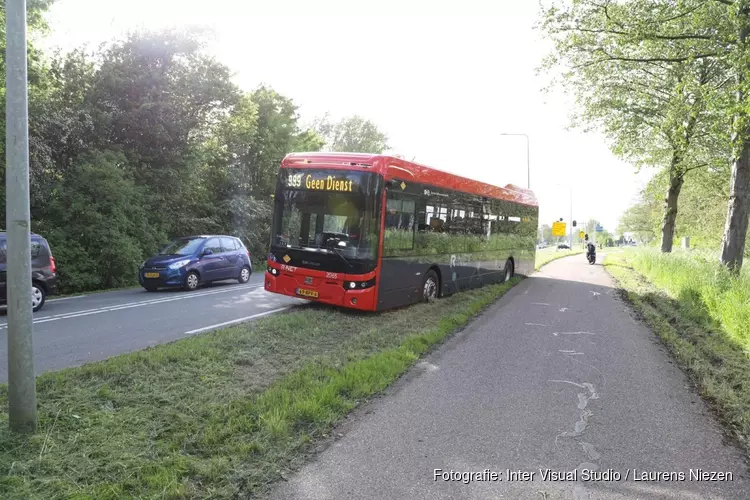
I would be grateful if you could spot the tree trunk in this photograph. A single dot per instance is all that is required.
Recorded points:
(670, 209)
(735, 229)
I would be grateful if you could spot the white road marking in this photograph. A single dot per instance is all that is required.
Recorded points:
(239, 320)
(118, 307)
(540, 303)
(66, 298)
(536, 324)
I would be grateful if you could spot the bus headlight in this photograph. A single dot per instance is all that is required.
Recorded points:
(359, 285)
(272, 271)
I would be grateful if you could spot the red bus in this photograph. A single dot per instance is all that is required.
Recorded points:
(373, 232)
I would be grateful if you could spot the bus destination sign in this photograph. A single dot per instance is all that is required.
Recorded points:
(320, 181)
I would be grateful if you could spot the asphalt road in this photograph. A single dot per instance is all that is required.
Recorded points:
(557, 375)
(73, 331)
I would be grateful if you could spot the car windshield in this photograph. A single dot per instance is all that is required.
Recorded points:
(325, 222)
(183, 246)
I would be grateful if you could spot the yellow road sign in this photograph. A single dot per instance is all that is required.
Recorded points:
(558, 228)
(581, 234)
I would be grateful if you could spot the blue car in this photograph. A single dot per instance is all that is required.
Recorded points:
(195, 260)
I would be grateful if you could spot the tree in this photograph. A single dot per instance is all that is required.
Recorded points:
(144, 140)
(702, 211)
(241, 160)
(639, 219)
(646, 84)
(738, 210)
(156, 96)
(38, 77)
(61, 122)
(353, 134)
(97, 224)
(545, 233)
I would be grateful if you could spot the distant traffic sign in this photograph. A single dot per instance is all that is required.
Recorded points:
(581, 234)
(599, 229)
(558, 228)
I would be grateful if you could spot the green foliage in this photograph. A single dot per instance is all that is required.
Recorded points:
(352, 135)
(702, 211)
(656, 78)
(38, 77)
(545, 233)
(144, 140)
(96, 224)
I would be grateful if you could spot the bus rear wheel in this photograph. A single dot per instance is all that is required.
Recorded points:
(508, 270)
(430, 286)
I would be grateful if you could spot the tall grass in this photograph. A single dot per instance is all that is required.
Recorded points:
(698, 280)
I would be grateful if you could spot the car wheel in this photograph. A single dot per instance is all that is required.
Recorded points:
(430, 286)
(38, 297)
(192, 281)
(244, 275)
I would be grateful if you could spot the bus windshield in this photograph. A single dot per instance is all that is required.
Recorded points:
(336, 223)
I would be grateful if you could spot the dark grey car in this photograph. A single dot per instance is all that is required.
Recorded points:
(43, 271)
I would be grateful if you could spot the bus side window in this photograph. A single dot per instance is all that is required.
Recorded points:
(400, 222)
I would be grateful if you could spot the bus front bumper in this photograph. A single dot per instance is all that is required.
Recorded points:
(327, 291)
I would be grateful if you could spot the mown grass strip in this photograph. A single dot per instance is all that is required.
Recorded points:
(220, 414)
(693, 306)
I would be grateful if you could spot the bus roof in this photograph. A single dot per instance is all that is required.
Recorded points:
(391, 167)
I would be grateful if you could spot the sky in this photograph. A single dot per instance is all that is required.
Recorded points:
(444, 80)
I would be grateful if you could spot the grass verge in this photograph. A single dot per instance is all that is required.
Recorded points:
(702, 315)
(547, 255)
(217, 415)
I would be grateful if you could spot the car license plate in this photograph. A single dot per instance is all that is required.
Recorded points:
(151, 275)
(307, 293)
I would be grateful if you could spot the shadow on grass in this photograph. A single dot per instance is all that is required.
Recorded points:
(716, 363)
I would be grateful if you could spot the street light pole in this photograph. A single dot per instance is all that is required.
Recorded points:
(528, 158)
(571, 217)
(21, 378)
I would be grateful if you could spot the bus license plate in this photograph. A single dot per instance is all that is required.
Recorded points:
(313, 294)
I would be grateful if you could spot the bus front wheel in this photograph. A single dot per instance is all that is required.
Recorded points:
(430, 286)
(508, 270)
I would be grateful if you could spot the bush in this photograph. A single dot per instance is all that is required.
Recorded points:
(96, 226)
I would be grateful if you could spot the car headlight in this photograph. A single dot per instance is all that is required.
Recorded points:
(143, 264)
(179, 264)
